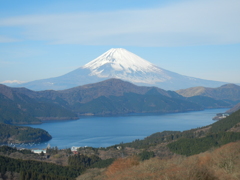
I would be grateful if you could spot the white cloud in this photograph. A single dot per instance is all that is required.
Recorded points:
(197, 22)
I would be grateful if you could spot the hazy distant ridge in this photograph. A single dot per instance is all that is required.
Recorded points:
(227, 91)
(121, 64)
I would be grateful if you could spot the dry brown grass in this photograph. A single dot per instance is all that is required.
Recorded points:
(121, 165)
(218, 164)
(93, 174)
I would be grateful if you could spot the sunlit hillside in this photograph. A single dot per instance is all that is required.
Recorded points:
(217, 164)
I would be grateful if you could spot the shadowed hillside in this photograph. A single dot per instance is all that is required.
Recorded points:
(17, 134)
(110, 97)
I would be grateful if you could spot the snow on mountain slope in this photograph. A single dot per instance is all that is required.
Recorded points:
(122, 64)
(121, 60)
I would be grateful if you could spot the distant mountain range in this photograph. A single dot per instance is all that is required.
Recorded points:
(109, 97)
(225, 92)
(122, 64)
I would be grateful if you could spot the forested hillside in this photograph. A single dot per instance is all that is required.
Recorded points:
(208, 153)
(165, 145)
(233, 109)
(194, 141)
(18, 108)
(17, 134)
(108, 97)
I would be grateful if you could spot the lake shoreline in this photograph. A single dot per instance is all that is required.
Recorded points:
(95, 131)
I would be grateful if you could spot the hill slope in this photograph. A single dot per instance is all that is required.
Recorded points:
(19, 108)
(113, 96)
(234, 109)
(109, 97)
(17, 134)
(227, 91)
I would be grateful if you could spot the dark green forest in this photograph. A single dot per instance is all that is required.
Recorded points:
(19, 134)
(191, 146)
(217, 136)
(30, 169)
(21, 109)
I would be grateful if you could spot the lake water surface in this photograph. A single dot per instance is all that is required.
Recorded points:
(107, 131)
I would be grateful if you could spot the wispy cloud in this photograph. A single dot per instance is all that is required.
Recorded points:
(5, 39)
(197, 22)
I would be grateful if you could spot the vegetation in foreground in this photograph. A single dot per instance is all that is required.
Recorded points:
(166, 155)
(218, 164)
(25, 165)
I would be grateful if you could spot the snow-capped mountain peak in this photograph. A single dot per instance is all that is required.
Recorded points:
(120, 63)
(121, 60)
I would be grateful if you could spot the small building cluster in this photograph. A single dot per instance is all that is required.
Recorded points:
(220, 116)
(39, 151)
(74, 149)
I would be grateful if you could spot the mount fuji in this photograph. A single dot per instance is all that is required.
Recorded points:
(121, 64)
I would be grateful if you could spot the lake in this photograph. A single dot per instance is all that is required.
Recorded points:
(107, 131)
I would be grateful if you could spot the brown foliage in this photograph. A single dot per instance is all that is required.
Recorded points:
(218, 164)
(121, 164)
(92, 174)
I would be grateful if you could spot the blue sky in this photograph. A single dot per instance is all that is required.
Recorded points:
(43, 39)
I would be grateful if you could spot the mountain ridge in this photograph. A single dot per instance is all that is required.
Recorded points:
(122, 64)
(109, 87)
(227, 91)
(109, 97)
(17, 107)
